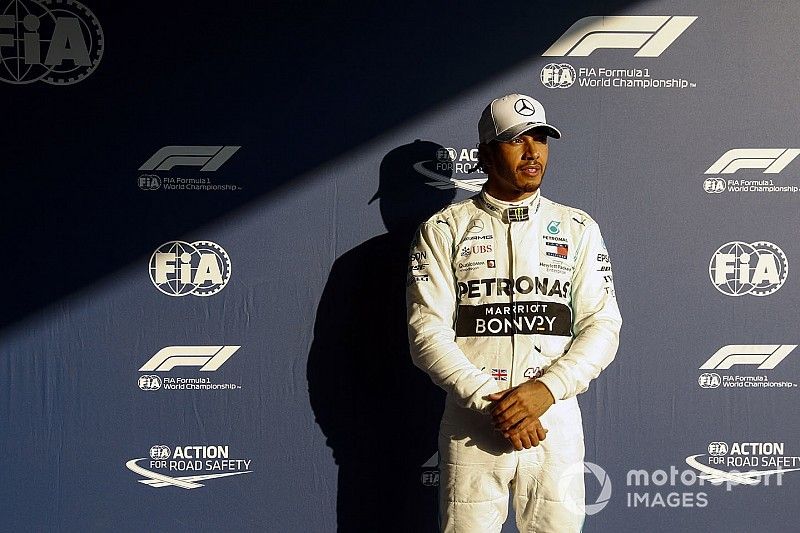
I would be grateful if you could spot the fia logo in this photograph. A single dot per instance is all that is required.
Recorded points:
(717, 448)
(558, 75)
(446, 155)
(709, 380)
(59, 43)
(149, 382)
(149, 182)
(738, 268)
(714, 185)
(160, 452)
(178, 268)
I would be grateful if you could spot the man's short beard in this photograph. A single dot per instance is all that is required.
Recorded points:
(530, 187)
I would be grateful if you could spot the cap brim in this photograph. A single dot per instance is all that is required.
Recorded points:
(519, 129)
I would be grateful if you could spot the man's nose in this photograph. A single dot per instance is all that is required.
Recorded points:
(531, 148)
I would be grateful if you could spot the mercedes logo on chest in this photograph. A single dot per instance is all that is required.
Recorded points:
(524, 107)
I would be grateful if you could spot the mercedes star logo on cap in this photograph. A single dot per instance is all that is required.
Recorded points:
(524, 107)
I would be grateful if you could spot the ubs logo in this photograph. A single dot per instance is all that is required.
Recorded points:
(466, 251)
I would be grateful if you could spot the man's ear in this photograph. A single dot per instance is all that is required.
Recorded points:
(485, 155)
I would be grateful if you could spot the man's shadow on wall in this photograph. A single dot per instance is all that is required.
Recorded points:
(380, 413)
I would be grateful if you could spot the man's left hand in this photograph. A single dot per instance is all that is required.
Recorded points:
(528, 400)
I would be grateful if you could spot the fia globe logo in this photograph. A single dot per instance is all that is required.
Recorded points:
(461, 160)
(149, 182)
(149, 382)
(160, 452)
(52, 41)
(714, 185)
(717, 448)
(709, 380)
(738, 268)
(558, 75)
(201, 268)
(446, 155)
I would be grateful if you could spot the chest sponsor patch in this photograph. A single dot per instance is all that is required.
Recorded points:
(519, 318)
(476, 288)
(412, 279)
(418, 261)
(557, 268)
(557, 249)
(517, 214)
(470, 265)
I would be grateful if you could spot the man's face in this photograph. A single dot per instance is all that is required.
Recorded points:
(516, 167)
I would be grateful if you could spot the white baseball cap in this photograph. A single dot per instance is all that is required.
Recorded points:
(509, 116)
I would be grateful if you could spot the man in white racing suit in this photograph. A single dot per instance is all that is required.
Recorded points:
(511, 309)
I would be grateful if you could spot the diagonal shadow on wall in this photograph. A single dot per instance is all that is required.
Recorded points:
(378, 412)
(294, 84)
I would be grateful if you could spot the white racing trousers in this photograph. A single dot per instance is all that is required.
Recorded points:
(479, 468)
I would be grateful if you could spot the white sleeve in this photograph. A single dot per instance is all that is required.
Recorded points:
(595, 323)
(431, 300)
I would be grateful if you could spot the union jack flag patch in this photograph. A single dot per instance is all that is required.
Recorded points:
(500, 374)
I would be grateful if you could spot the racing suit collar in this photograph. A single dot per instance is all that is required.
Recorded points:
(511, 211)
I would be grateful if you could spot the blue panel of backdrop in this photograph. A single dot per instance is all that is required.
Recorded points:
(208, 209)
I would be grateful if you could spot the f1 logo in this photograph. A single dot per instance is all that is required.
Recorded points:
(209, 158)
(766, 356)
(650, 35)
(208, 358)
(772, 160)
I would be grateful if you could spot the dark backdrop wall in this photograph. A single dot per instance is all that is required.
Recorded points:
(207, 214)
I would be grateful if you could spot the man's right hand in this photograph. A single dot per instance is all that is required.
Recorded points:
(526, 434)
